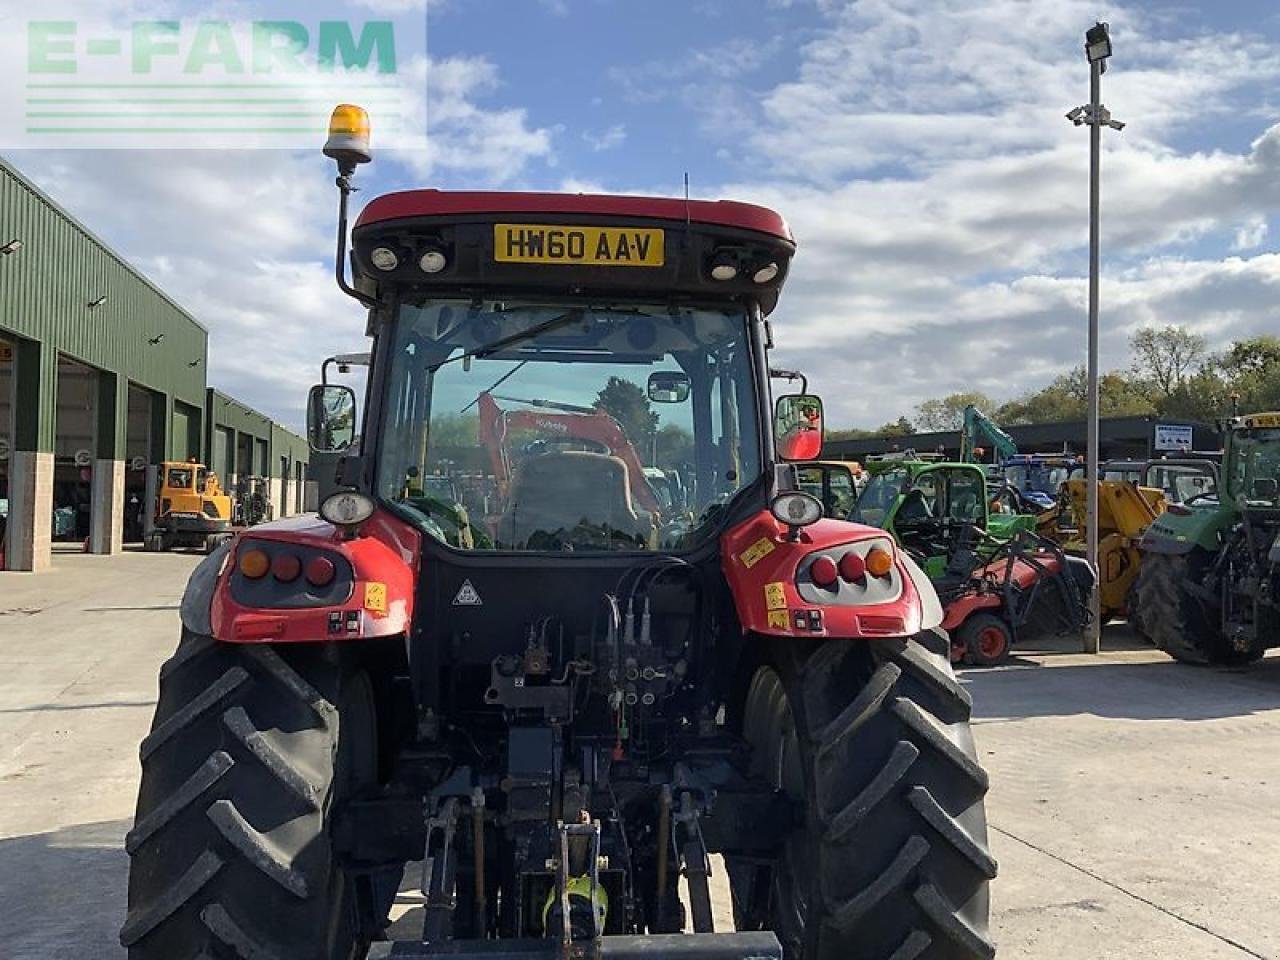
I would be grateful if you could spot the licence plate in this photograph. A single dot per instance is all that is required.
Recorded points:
(582, 246)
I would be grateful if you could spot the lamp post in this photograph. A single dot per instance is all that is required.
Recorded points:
(1097, 50)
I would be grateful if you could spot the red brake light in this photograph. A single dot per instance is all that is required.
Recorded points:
(823, 572)
(320, 572)
(286, 567)
(853, 567)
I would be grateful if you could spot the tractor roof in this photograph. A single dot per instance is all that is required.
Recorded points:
(442, 203)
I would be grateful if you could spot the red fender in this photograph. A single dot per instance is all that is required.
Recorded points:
(767, 573)
(384, 560)
(962, 609)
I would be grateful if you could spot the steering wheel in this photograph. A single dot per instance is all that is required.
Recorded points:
(1202, 495)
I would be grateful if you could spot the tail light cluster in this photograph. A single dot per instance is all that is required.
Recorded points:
(286, 566)
(272, 573)
(852, 567)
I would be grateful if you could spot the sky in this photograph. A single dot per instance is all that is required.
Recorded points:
(918, 149)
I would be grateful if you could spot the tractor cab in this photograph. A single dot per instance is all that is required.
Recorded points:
(833, 482)
(931, 507)
(1039, 477)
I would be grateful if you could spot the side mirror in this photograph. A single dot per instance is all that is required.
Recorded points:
(331, 418)
(668, 386)
(797, 427)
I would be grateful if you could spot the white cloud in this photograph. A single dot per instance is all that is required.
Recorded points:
(1250, 234)
(614, 136)
(491, 145)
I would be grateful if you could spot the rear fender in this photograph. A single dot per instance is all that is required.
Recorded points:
(773, 594)
(372, 595)
(965, 607)
(1177, 532)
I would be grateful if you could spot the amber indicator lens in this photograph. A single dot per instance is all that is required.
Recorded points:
(879, 561)
(254, 564)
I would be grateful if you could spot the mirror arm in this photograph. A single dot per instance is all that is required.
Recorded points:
(792, 375)
(344, 191)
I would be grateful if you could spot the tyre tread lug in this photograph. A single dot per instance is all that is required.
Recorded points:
(257, 848)
(142, 921)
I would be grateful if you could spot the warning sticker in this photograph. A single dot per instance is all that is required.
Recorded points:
(756, 552)
(375, 596)
(778, 619)
(467, 596)
(775, 596)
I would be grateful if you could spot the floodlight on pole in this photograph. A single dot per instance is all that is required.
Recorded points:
(1097, 49)
(1097, 43)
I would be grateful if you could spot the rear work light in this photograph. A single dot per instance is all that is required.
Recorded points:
(254, 564)
(765, 273)
(384, 258)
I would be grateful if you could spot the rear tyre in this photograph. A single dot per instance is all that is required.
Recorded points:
(888, 859)
(1176, 621)
(987, 639)
(1133, 610)
(250, 750)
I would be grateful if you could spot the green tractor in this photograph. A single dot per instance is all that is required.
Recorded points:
(1209, 590)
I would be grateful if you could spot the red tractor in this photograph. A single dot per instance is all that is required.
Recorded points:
(558, 725)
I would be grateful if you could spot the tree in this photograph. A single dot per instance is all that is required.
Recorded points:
(627, 403)
(674, 446)
(1120, 396)
(902, 427)
(849, 433)
(1167, 356)
(1063, 399)
(1251, 368)
(947, 413)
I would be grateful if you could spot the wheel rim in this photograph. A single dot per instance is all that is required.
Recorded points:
(991, 642)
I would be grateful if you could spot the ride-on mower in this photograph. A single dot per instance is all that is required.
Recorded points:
(1209, 587)
(555, 726)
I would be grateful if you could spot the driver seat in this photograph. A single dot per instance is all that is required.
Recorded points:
(553, 494)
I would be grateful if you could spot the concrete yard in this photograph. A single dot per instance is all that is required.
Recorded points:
(1135, 806)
